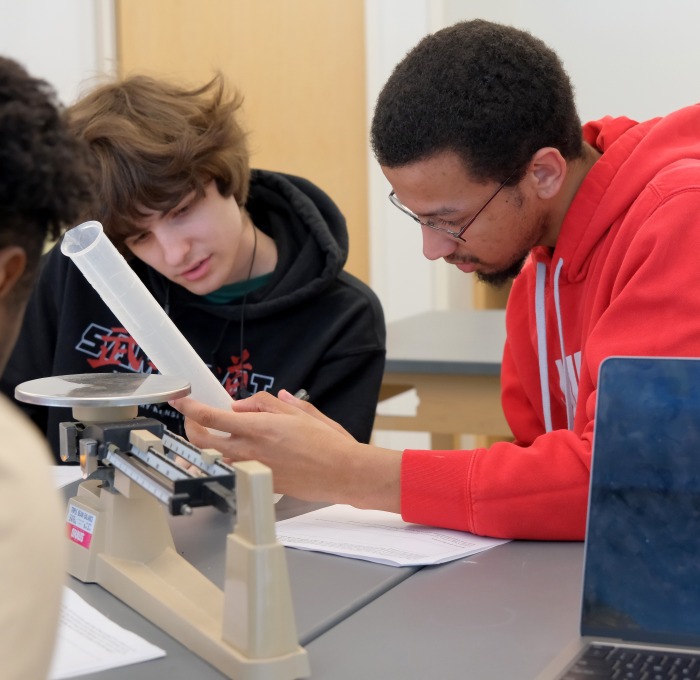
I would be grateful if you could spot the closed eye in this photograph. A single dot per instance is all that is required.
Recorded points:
(449, 223)
(138, 239)
(181, 210)
(440, 223)
(184, 206)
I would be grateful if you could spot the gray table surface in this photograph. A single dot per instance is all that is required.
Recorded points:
(503, 613)
(325, 590)
(499, 615)
(461, 342)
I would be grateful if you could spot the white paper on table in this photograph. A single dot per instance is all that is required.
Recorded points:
(89, 642)
(378, 536)
(63, 475)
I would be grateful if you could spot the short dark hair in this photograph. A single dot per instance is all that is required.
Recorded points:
(154, 142)
(44, 177)
(491, 93)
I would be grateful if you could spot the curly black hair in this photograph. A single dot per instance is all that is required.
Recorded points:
(45, 180)
(491, 93)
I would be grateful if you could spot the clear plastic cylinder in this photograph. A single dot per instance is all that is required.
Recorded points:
(137, 310)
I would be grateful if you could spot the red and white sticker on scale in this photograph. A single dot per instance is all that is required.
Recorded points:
(80, 525)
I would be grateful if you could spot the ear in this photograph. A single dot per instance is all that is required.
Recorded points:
(13, 261)
(548, 168)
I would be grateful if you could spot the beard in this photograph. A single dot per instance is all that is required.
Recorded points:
(499, 278)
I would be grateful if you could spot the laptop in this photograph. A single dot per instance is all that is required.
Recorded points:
(640, 611)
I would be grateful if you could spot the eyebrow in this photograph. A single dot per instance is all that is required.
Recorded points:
(440, 212)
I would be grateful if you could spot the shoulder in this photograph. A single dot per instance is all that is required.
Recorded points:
(354, 287)
(678, 178)
(58, 270)
(53, 260)
(357, 300)
(670, 199)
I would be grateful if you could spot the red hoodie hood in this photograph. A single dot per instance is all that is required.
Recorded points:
(633, 153)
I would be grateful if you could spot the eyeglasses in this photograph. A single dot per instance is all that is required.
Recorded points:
(430, 225)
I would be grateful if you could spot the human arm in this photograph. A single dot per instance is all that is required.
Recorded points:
(314, 459)
(311, 457)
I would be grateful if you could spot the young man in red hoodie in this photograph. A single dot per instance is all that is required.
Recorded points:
(477, 132)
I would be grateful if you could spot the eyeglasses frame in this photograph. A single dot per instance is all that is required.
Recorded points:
(455, 234)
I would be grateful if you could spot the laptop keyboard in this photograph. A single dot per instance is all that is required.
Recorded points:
(608, 662)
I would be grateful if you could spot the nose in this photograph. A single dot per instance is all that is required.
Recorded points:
(437, 245)
(173, 245)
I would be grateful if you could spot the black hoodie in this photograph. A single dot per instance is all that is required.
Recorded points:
(311, 326)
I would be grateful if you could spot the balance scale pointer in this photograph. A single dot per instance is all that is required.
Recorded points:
(118, 534)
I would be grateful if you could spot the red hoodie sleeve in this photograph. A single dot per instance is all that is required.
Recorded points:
(507, 491)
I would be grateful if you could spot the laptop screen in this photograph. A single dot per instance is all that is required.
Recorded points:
(642, 565)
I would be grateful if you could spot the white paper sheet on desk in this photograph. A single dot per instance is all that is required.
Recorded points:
(378, 536)
(63, 475)
(89, 642)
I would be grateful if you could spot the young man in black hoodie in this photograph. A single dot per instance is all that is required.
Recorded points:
(247, 263)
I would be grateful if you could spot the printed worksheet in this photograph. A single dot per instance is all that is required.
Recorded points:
(378, 536)
(89, 642)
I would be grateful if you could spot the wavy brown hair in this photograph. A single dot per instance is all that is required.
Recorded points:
(154, 142)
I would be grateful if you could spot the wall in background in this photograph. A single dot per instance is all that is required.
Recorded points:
(628, 57)
(66, 43)
(633, 57)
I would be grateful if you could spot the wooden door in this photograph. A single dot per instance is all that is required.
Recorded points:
(301, 67)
